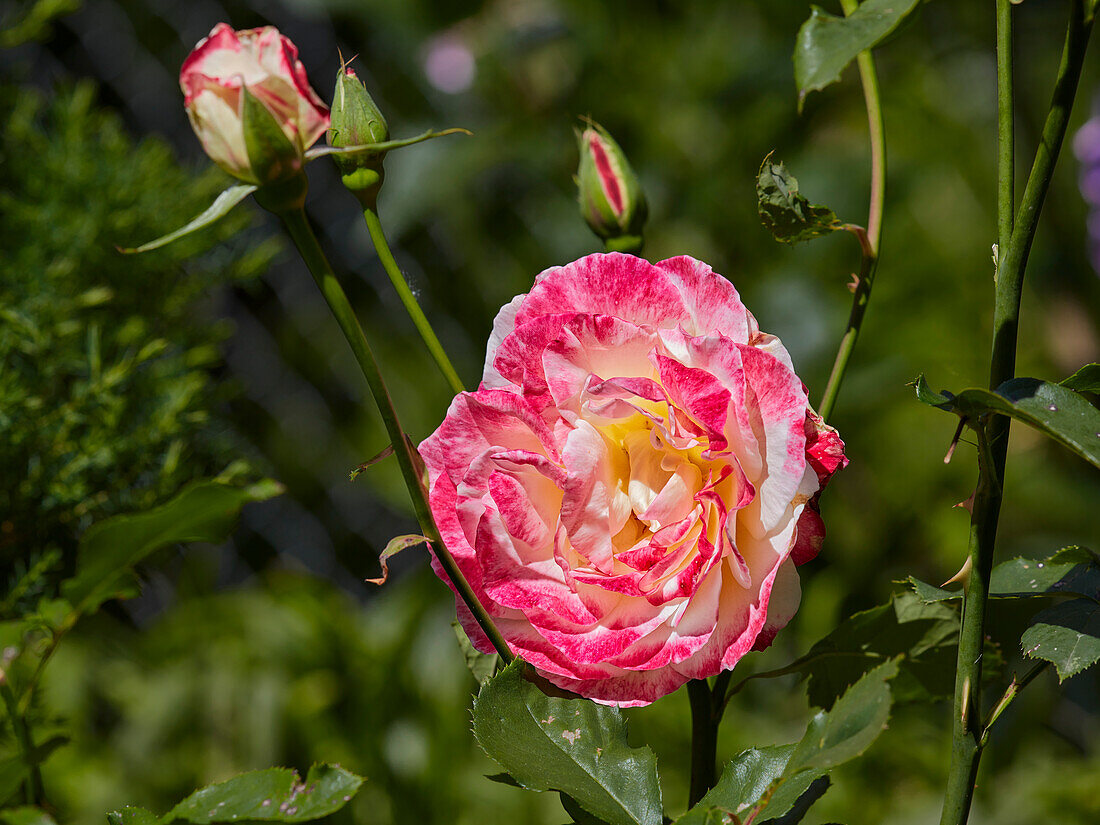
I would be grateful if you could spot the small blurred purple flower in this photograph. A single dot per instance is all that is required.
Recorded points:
(449, 64)
(1086, 145)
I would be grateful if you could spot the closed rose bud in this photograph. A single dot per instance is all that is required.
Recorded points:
(611, 199)
(357, 121)
(225, 75)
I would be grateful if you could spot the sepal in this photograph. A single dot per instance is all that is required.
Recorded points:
(217, 210)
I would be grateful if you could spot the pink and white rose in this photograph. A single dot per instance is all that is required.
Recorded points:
(631, 486)
(265, 63)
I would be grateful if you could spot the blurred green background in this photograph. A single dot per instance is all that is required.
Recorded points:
(270, 649)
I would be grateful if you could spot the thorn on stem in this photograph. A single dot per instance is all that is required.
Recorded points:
(954, 441)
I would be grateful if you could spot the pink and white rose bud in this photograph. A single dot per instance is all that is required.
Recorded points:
(631, 487)
(265, 63)
(611, 198)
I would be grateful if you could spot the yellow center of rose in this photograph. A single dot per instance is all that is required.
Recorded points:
(655, 483)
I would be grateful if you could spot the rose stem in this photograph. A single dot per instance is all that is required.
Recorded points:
(869, 240)
(33, 782)
(967, 729)
(302, 234)
(704, 739)
(397, 278)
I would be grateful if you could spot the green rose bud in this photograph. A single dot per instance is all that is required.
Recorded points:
(611, 199)
(357, 121)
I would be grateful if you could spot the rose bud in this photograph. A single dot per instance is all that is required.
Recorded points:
(225, 76)
(357, 121)
(611, 199)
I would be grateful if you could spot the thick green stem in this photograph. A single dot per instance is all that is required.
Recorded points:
(967, 727)
(302, 234)
(870, 240)
(704, 740)
(22, 733)
(397, 278)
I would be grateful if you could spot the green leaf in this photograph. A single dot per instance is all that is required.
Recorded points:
(395, 546)
(850, 726)
(753, 777)
(926, 395)
(1053, 410)
(132, 816)
(218, 210)
(826, 43)
(570, 745)
(796, 805)
(1086, 379)
(780, 783)
(26, 815)
(481, 665)
(1072, 570)
(271, 794)
(202, 511)
(14, 769)
(925, 633)
(1067, 635)
(745, 779)
(784, 212)
(929, 593)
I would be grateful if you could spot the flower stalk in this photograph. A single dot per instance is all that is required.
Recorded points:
(869, 239)
(1016, 231)
(397, 278)
(705, 716)
(301, 233)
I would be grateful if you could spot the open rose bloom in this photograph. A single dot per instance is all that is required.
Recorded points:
(630, 488)
(264, 62)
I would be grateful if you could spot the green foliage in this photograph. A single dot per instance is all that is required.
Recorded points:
(107, 554)
(481, 665)
(271, 795)
(923, 635)
(570, 745)
(926, 395)
(287, 670)
(33, 21)
(26, 815)
(203, 511)
(283, 672)
(221, 207)
(850, 726)
(107, 403)
(1086, 379)
(1067, 635)
(828, 43)
(1052, 409)
(784, 212)
(108, 551)
(750, 777)
(1072, 570)
(14, 769)
(763, 784)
